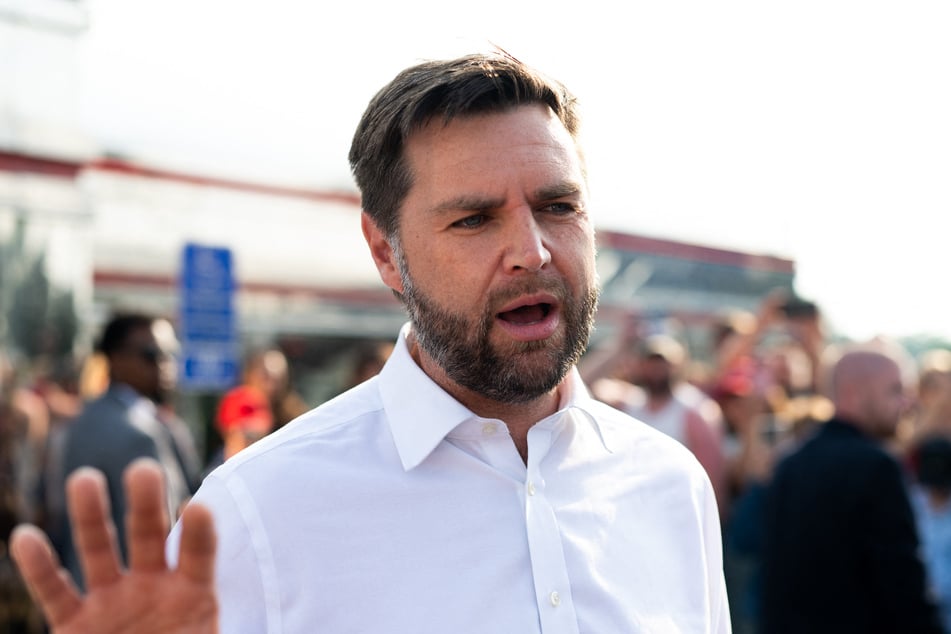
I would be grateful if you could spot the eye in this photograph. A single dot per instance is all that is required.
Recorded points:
(471, 222)
(560, 208)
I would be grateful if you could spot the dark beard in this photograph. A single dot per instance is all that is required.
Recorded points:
(657, 387)
(528, 370)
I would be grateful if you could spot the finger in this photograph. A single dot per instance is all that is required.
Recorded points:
(196, 552)
(147, 520)
(48, 583)
(93, 529)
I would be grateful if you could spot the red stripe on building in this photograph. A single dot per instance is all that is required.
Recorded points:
(28, 163)
(699, 253)
(129, 169)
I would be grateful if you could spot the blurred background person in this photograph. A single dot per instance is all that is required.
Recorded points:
(642, 377)
(931, 501)
(244, 416)
(753, 440)
(659, 361)
(268, 371)
(934, 381)
(28, 460)
(765, 375)
(931, 414)
(841, 548)
(124, 423)
(17, 611)
(774, 358)
(93, 375)
(58, 387)
(238, 416)
(781, 346)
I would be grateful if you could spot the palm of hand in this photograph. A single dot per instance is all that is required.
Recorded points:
(145, 603)
(147, 598)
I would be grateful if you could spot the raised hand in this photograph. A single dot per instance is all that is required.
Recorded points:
(146, 598)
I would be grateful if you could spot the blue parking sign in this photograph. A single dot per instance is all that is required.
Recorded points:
(208, 325)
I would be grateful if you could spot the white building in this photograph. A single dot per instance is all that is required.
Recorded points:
(113, 230)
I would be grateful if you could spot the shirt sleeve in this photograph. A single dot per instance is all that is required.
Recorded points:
(719, 618)
(248, 602)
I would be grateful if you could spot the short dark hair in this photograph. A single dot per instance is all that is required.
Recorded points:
(116, 332)
(470, 85)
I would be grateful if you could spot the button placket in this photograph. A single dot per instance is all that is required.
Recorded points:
(549, 569)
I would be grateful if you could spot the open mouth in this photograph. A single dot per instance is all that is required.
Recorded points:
(528, 314)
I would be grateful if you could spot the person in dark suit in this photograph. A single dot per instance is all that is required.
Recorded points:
(840, 542)
(124, 423)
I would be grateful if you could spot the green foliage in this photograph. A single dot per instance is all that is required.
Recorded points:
(41, 319)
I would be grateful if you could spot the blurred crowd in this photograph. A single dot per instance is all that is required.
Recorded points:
(763, 395)
(115, 406)
(757, 393)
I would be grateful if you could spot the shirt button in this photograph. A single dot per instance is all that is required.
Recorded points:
(531, 488)
(555, 598)
(488, 429)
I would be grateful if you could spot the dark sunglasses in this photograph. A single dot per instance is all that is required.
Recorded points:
(149, 354)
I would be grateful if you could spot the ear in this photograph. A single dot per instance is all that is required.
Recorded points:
(382, 253)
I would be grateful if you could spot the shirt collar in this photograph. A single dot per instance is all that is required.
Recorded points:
(421, 414)
(575, 395)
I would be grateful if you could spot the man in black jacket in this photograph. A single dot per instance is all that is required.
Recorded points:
(841, 548)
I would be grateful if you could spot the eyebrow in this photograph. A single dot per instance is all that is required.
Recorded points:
(467, 202)
(559, 190)
(474, 202)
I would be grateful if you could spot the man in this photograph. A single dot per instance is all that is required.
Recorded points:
(268, 371)
(473, 485)
(650, 389)
(931, 502)
(841, 552)
(667, 407)
(125, 422)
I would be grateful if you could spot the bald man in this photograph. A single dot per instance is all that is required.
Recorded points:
(841, 549)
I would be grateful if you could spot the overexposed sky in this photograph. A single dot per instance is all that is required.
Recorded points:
(815, 130)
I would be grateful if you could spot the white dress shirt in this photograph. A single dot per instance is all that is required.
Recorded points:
(394, 509)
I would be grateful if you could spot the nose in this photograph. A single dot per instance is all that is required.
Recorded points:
(526, 249)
